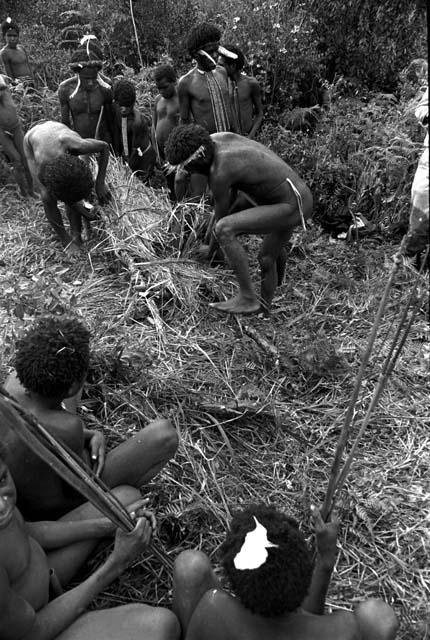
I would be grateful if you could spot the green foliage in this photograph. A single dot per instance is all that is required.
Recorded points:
(368, 40)
(361, 160)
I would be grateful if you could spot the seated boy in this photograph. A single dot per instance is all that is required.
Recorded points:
(274, 201)
(51, 364)
(165, 115)
(38, 558)
(86, 99)
(245, 94)
(276, 595)
(52, 151)
(12, 140)
(132, 138)
(13, 55)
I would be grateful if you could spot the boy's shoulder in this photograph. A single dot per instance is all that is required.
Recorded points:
(67, 84)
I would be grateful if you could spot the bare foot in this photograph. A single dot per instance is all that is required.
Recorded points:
(238, 304)
(73, 249)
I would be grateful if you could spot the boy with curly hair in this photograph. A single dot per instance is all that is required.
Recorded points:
(272, 201)
(276, 594)
(52, 151)
(51, 365)
(86, 99)
(245, 93)
(132, 138)
(165, 115)
(13, 55)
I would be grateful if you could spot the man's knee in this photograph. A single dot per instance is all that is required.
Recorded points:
(376, 620)
(192, 569)
(126, 494)
(223, 230)
(163, 435)
(156, 623)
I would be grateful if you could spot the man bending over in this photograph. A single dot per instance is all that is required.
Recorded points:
(52, 151)
(273, 201)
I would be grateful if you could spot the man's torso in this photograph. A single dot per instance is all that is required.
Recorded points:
(85, 106)
(17, 59)
(167, 119)
(199, 96)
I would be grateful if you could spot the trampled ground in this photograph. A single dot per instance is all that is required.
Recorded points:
(258, 402)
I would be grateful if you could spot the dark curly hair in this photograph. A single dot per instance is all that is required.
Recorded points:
(239, 62)
(124, 92)
(282, 582)
(53, 355)
(164, 71)
(9, 25)
(68, 178)
(200, 35)
(184, 140)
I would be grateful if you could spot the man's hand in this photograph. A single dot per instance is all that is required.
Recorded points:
(326, 536)
(138, 510)
(103, 194)
(97, 447)
(129, 545)
(203, 252)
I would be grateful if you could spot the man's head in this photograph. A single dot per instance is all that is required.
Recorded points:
(67, 178)
(165, 80)
(190, 146)
(7, 489)
(10, 31)
(52, 358)
(87, 61)
(231, 58)
(280, 584)
(202, 44)
(124, 94)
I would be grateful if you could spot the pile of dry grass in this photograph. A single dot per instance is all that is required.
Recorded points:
(258, 402)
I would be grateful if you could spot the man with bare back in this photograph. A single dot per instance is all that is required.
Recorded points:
(273, 200)
(52, 151)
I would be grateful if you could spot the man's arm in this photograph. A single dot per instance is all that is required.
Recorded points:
(83, 146)
(63, 96)
(222, 197)
(6, 63)
(258, 107)
(16, 615)
(55, 535)
(422, 109)
(54, 217)
(326, 535)
(184, 102)
(60, 613)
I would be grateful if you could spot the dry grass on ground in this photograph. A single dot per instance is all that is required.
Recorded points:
(256, 423)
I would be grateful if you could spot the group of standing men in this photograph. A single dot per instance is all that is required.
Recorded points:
(253, 190)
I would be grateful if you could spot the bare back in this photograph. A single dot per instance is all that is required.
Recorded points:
(248, 166)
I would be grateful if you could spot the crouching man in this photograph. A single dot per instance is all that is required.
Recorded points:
(52, 151)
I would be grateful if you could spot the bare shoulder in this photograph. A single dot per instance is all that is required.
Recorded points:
(186, 78)
(65, 87)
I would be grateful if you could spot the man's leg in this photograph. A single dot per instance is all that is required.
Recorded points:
(192, 577)
(75, 219)
(18, 138)
(129, 622)
(272, 259)
(278, 218)
(67, 561)
(137, 460)
(376, 620)
(9, 148)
